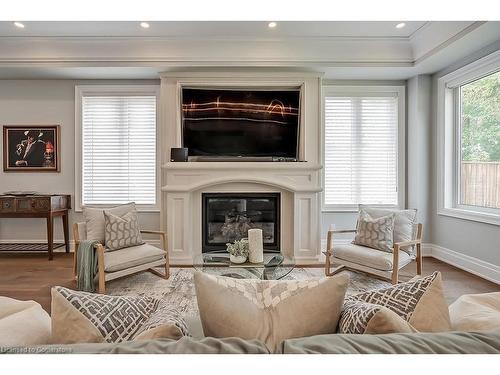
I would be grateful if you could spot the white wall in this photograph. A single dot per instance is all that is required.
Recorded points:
(474, 239)
(26, 102)
(418, 149)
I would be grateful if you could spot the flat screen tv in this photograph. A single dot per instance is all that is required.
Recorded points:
(241, 123)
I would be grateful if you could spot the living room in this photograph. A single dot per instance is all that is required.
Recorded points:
(199, 183)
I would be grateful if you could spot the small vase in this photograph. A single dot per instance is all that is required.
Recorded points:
(238, 259)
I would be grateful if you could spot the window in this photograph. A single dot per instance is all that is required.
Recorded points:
(469, 141)
(479, 130)
(117, 145)
(363, 129)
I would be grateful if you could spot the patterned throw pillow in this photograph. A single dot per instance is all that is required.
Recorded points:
(79, 317)
(407, 307)
(120, 232)
(375, 233)
(269, 310)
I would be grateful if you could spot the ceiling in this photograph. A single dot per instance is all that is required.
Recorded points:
(250, 29)
(339, 49)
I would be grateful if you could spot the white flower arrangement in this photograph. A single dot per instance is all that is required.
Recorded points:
(238, 248)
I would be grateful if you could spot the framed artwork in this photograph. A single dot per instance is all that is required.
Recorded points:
(31, 148)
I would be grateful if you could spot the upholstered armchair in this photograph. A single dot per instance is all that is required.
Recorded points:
(126, 261)
(376, 262)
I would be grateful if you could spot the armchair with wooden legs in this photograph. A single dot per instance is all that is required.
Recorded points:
(372, 261)
(119, 263)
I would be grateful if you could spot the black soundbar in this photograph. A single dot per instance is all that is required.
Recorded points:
(242, 158)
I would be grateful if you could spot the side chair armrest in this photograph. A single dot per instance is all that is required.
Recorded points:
(408, 243)
(163, 236)
(153, 232)
(342, 231)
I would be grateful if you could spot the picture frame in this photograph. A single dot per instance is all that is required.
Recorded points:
(31, 148)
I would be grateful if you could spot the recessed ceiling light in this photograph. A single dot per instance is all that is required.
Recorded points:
(400, 25)
(19, 24)
(145, 25)
(272, 25)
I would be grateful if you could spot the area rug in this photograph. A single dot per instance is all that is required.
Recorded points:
(179, 288)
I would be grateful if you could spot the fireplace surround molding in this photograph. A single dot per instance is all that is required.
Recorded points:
(182, 183)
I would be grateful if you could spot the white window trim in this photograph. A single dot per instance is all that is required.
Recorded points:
(328, 90)
(448, 141)
(89, 90)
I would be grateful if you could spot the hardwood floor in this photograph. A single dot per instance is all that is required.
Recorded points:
(30, 277)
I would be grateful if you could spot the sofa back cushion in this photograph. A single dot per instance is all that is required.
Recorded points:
(269, 310)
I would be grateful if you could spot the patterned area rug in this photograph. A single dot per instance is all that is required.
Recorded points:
(179, 289)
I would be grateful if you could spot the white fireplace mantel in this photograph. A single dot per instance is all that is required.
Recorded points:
(299, 183)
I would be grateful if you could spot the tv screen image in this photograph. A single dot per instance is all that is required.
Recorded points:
(237, 122)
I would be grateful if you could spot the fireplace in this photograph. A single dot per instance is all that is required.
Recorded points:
(226, 217)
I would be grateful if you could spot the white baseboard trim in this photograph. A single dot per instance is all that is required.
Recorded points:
(478, 267)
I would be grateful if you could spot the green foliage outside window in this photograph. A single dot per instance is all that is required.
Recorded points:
(481, 119)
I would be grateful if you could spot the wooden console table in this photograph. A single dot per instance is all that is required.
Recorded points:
(39, 206)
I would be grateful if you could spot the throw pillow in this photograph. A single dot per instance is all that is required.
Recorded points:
(420, 303)
(375, 233)
(23, 323)
(94, 219)
(269, 310)
(360, 317)
(120, 232)
(404, 223)
(79, 317)
(476, 312)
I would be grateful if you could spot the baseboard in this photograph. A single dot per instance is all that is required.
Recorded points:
(478, 267)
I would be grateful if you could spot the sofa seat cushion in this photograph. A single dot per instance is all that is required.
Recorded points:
(23, 323)
(131, 257)
(368, 257)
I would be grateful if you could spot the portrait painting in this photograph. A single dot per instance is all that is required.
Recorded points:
(29, 148)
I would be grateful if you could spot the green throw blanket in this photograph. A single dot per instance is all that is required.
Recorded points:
(86, 265)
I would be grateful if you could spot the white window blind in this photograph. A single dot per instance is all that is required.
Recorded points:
(361, 150)
(118, 149)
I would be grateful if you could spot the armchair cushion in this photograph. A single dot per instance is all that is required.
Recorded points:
(404, 222)
(368, 257)
(131, 256)
(94, 219)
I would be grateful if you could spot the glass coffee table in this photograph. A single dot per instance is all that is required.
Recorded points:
(275, 266)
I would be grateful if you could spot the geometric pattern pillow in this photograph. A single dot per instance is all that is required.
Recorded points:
(375, 233)
(420, 303)
(120, 232)
(404, 223)
(87, 317)
(269, 310)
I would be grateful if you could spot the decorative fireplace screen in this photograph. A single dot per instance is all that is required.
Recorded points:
(229, 216)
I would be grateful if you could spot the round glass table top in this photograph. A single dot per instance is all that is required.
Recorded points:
(274, 267)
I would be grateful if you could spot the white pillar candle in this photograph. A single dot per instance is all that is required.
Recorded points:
(255, 246)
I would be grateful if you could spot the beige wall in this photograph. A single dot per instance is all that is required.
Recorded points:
(46, 102)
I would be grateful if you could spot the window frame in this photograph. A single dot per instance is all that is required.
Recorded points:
(372, 90)
(449, 141)
(111, 90)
